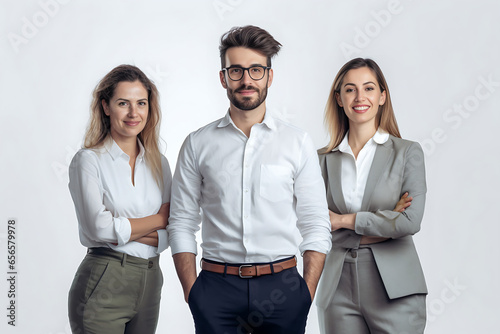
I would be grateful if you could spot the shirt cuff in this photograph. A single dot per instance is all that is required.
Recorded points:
(320, 246)
(123, 230)
(162, 241)
(182, 245)
(360, 222)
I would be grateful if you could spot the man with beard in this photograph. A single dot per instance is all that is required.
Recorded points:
(258, 183)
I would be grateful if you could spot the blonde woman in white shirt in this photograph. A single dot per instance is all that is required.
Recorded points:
(372, 281)
(120, 185)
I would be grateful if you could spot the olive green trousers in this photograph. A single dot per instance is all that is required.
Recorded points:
(113, 293)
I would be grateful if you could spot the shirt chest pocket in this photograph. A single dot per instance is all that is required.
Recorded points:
(276, 183)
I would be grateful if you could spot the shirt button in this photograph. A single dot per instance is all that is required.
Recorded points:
(246, 190)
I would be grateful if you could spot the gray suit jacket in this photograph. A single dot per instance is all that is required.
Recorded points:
(398, 167)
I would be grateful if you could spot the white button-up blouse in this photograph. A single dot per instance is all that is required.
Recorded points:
(104, 197)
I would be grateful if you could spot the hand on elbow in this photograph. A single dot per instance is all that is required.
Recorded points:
(403, 203)
(346, 221)
(164, 213)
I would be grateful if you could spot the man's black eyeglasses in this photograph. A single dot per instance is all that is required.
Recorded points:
(256, 72)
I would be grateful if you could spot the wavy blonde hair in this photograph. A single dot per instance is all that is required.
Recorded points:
(99, 129)
(336, 120)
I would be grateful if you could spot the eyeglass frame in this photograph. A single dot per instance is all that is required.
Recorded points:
(246, 69)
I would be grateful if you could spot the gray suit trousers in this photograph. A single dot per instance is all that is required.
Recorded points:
(361, 305)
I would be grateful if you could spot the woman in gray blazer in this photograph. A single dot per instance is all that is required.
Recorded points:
(375, 181)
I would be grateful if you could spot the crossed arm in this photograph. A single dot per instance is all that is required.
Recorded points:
(369, 227)
(348, 221)
(144, 230)
(96, 221)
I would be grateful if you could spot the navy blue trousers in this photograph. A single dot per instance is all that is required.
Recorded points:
(228, 304)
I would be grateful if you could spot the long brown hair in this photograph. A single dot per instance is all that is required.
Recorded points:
(99, 128)
(336, 120)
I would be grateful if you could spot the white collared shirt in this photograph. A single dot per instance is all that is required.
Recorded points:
(256, 193)
(100, 183)
(355, 171)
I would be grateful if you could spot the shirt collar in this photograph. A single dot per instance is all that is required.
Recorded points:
(225, 121)
(116, 152)
(142, 151)
(268, 121)
(344, 144)
(380, 137)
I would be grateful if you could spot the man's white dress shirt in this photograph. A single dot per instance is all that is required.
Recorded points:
(253, 193)
(355, 171)
(100, 182)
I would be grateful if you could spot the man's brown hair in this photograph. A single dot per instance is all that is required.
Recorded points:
(251, 37)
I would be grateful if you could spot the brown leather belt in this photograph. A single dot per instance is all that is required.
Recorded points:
(248, 270)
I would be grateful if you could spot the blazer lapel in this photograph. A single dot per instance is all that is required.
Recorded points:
(334, 168)
(380, 161)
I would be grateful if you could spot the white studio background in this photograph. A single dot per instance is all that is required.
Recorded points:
(440, 59)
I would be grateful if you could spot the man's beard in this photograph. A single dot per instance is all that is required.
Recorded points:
(247, 102)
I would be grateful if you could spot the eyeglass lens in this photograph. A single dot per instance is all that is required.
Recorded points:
(255, 72)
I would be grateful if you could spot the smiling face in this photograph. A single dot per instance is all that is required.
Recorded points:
(246, 94)
(128, 110)
(360, 96)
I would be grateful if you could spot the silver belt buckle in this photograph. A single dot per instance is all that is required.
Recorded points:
(239, 270)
